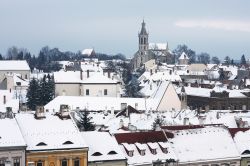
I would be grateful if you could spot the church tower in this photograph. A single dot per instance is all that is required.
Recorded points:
(143, 39)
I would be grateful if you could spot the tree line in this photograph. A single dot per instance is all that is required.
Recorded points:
(203, 57)
(47, 58)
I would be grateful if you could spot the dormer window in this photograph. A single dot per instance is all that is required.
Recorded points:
(41, 144)
(153, 151)
(130, 153)
(142, 152)
(112, 152)
(96, 154)
(164, 150)
(67, 143)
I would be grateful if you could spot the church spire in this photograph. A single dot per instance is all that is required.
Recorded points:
(143, 38)
(143, 28)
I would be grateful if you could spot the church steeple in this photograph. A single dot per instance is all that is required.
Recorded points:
(143, 38)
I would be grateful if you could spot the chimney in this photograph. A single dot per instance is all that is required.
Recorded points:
(81, 74)
(4, 99)
(108, 74)
(87, 73)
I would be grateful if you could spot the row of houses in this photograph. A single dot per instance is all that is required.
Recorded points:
(45, 139)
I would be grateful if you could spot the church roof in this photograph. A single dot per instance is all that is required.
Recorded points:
(158, 46)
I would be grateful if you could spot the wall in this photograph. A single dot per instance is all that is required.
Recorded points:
(53, 158)
(98, 90)
(170, 100)
(10, 154)
(67, 89)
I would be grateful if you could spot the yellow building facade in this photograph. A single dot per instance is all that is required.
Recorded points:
(72, 157)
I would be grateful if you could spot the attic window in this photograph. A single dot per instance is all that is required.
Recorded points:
(112, 152)
(67, 143)
(41, 144)
(18, 83)
(96, 154)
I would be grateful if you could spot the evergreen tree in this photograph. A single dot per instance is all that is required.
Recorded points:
(215, 60)
(84, 123)
(158, 122)
(50, 88)
(227, 60)
(33, 95)
(44, 91)
(1, 57)
(243, 60)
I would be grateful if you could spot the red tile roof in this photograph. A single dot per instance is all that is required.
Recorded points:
(233, 131)
(142, 137)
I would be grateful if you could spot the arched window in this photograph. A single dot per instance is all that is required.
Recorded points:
(112, 152)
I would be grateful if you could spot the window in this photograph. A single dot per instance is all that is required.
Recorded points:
(153, 151)
(105, 92)
(2, 162)
(64, 163)
(26, 76)
(142, 152)
(39, 163)
(76, 162)
(16, 161)
(130, 153)
(87, 92)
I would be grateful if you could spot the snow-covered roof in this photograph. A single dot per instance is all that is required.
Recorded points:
(158, 46)
(14, 65)
(242, 140)
(87, 51)
(205, 92)
(183, 56)
(141, 144)
(203, 144)
(99, 78)
(49, 133)
(10, 135)
(100, 103)
(103, 143)
(75, 77)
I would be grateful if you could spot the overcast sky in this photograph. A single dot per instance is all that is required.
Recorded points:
(219, 27)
